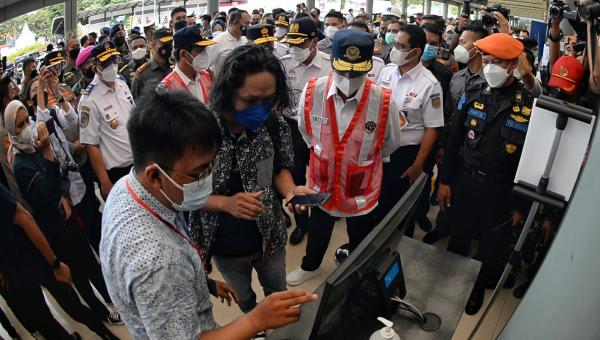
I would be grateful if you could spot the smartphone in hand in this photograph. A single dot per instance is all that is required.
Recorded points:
(311, 200)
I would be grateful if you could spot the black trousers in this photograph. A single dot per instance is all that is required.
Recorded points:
(31, 309)
(301, 157)
(7, 325)
(67, 298)
(115, 174)
(89, 207)
(423, 204)
(393, 187)
(481, 205)
(72, 247)
(320, 227)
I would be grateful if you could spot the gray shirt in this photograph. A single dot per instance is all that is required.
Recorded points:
(155, 278)
(461, 80)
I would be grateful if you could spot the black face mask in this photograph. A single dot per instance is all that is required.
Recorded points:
(244, 30)
(180, 25)
(165, 51)
(89, 73)
(74, 53)
(119, 41)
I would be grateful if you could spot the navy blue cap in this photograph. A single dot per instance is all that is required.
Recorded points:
(352, 50)
(190, 36)
(104, 50)
(261, 33)
(104, 31)
(116, 28)
(300, 30)
(54, 57)
(136, 30)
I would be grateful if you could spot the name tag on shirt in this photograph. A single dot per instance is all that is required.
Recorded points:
(320, 120)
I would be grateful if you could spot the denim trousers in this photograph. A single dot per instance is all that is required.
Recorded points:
(237, 271)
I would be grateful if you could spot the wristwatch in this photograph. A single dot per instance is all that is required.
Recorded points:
(56, 264)
(551, 38)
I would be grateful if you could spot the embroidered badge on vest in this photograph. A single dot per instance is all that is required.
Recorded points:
(478, 105)
(370, 126)
(511, 148)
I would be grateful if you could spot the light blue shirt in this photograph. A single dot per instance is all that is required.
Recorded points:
(155, 278)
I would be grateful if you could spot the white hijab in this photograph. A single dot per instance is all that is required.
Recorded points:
(10, 120)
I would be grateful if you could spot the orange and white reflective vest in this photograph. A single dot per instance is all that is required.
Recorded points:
(351, 168)
(173, 82)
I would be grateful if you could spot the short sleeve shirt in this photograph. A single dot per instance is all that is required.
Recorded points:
(298, 74)
(419, 95)
(103, 121)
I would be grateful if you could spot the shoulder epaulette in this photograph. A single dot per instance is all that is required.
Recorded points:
(88, 89)
(143, 67)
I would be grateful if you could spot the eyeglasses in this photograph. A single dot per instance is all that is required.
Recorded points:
(202, 175)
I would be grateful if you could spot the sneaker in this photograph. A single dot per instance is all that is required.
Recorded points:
(341, 254)
(260, 335)
(114, 318)
(298, 276)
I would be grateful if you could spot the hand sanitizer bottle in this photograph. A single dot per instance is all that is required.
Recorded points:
(386, 333)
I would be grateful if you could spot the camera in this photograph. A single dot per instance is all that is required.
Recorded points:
(489, 20)
(590, 11)
(560, 9)
(444, 53)
(579, 46)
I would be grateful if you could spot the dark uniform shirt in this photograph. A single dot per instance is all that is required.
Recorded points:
(488, 131)
(147, 76)
(71, 75)
(128, 71)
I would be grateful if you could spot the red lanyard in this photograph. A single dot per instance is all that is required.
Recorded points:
(167, 223)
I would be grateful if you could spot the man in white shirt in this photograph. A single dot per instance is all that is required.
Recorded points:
(305, 61)
(419, 95)
(350, 125)
(190, 73)
(104, 111)
(233, 37)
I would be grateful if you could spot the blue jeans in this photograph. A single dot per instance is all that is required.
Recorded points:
(237, 271)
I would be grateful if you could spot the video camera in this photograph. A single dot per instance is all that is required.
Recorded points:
(489, 20)
(560, 9)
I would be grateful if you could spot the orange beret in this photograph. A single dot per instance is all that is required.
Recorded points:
(500, 45)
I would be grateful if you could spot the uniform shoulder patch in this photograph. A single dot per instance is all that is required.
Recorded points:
(88, 90)
(436, 101)
(143, 67)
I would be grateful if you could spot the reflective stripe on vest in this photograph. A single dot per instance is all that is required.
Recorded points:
(350, 168)
(173, 82)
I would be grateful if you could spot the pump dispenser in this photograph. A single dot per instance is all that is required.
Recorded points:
(386, 333)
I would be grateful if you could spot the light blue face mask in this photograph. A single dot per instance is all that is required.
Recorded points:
(389, 38)
(429, 53)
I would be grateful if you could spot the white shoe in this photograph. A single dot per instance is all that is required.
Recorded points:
(298, 276)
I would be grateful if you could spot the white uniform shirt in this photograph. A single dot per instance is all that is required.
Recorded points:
(192, 85)
(378, 65)
(104, 114)
(225, 43)
(419, 95)
(67, 130)
(280, 49)
(298, 74)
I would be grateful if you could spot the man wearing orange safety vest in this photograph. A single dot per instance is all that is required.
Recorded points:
(190, 73)
(350, 125)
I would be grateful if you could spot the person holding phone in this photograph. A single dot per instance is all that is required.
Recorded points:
(243, 227)
(350, 125)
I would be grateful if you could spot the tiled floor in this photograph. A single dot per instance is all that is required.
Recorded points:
(496, 319)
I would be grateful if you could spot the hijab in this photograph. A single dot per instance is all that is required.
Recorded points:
(10, 120)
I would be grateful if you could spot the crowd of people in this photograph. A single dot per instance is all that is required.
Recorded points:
(198, 135)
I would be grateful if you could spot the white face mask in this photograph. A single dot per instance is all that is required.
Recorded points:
(461, 54)
(109, 74)
(330, 31)
(495, 75)
(216, 33)
(195, 194)
(299, 54)
(399, 57)
(348, 86)
(24, 140)
(280, 32)
(200, 62)
(139, 53)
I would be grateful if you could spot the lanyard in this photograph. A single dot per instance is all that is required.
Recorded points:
(167, 223)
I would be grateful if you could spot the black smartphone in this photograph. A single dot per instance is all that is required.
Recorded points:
(50, 126)
(311, 200)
